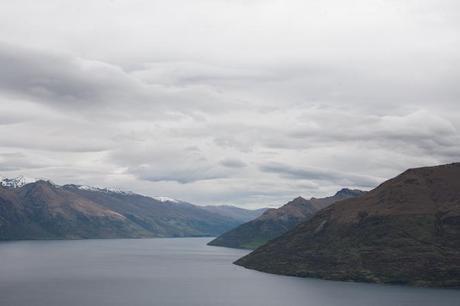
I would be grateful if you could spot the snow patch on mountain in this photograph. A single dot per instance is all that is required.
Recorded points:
(166, 199)
(85, 187)
(21, 181)
(16, 182)
(106, 189)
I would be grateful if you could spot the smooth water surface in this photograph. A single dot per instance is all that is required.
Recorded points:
(180, 271)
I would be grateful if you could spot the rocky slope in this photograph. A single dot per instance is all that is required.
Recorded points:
(405, 231)
(274, 222)
(42, 210)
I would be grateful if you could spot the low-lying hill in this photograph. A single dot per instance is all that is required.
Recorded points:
(274, 222)
(405, 231)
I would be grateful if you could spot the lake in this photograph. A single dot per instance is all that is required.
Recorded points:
(172, 272)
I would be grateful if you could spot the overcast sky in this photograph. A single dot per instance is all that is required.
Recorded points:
(246, 102)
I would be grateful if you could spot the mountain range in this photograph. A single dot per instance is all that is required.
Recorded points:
(405, 231)
(43, 210)
(274, 222)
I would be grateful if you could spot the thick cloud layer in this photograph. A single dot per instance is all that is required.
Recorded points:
(238, 102)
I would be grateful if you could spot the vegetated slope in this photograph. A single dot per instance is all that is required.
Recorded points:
(405, 231)
(274, 222)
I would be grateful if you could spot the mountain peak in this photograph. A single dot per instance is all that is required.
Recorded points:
(275, 221)
(42, 210)
(348, 192)
(16, 182)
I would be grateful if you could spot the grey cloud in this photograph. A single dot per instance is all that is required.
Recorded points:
(419, 132)
(303, 98)
(57, 78)
(180, 172)
(314, 174)
(184, 177)
(169, 162)
(106, 90)
(8, 119)
(180, 73)
(232, 163)
(57, 135)
(17, 161)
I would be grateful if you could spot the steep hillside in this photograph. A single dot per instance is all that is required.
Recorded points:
(406, 231)
(274, 222)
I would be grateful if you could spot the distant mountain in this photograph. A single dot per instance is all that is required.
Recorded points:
(240, 214)
(42, 210)
(405, 231)
(274, 222)
(15, 182)
(166, 199)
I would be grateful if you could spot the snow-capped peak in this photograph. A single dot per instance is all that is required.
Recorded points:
(85, 187)
(16, 182)
(89, 188)
(166, 199)
(114, 190)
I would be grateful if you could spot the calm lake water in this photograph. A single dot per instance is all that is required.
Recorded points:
(163, 272)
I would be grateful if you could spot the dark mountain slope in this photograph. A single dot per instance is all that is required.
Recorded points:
(274, 222)
(406, 231)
